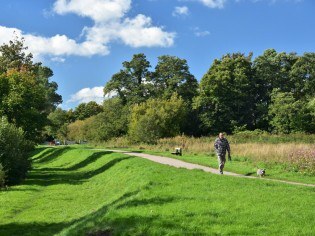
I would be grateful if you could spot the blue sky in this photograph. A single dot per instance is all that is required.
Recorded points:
(85, 41)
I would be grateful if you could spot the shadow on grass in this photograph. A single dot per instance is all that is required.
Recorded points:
(48, 177)
(32, 228)
(38, 150)
(50, 155)
(35, 229)
(142, 202)
(118, 225)
(250, 173)
(90, 159)
(136, 151)
(134, 224)
(12, 189)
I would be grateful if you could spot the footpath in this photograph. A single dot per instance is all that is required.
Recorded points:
(190, 166)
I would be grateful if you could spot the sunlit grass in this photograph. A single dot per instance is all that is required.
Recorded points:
(72, 191)
(250, 155)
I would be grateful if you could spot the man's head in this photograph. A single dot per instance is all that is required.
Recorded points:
(221, 135)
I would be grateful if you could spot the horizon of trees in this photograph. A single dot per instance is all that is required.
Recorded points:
(273, 92)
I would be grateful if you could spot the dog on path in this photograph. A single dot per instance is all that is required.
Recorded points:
(261, 172)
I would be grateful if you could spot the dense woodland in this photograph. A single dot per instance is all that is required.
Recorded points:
(274, 92)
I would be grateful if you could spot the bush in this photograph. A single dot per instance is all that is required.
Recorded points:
(14, 149)
(157, 118)
(110, 123)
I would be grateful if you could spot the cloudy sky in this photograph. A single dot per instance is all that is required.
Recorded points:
(85, 41)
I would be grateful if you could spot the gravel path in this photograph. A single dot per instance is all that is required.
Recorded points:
(190, 166)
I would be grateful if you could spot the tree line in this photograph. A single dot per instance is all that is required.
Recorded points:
(273, 92)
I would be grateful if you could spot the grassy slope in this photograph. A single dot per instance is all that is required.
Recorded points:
(73, 191)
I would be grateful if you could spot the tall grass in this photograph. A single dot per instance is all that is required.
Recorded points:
(297, 154)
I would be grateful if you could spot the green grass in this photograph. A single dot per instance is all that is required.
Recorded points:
(240, 165)
(73, 191)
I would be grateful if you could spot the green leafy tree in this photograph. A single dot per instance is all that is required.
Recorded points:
(78, 130)
(43, 75)
(132, 84)
(57, 119)
(110, 123)
(58, 122)
(86, 110)
(302, 75)
(27, 95)
(226, 94)
(24, 103)
(157, 118)
(172, 75)
(288, 114)
(272, 70)
(13, 56)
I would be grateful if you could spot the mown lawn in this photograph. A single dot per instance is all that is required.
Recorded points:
(74, 191)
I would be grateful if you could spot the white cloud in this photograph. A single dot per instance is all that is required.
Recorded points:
(58, 59)
(139, 32)
(200, 33)
(58, 45)
(213, 3)
(110, 24)
(88, 94)
(181, 11)
(221, 3)
(98, 10)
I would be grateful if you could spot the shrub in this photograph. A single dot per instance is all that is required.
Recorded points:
(157, 118)
(14, 149)
(110, 123)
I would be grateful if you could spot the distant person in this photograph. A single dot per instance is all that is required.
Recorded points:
(221, 145)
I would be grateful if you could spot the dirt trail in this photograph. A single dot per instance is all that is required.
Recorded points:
(190, 166)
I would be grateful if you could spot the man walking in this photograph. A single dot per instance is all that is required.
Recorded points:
(221, 145)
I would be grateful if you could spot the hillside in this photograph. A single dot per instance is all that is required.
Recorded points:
(73, 191)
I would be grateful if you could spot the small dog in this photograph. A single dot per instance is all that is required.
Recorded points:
(261, 172)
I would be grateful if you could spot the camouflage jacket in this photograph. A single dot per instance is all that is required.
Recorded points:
(221, 146)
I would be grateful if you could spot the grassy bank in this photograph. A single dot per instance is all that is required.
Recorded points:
(72, 191)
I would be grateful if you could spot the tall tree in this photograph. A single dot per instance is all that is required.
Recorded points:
(303, 76)
(27, 95)
(86, 110)
(288, 114)
(13, 56)
(272, 71)
(57, 119)
(132, 83)
(226, 98)
(172, 75)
